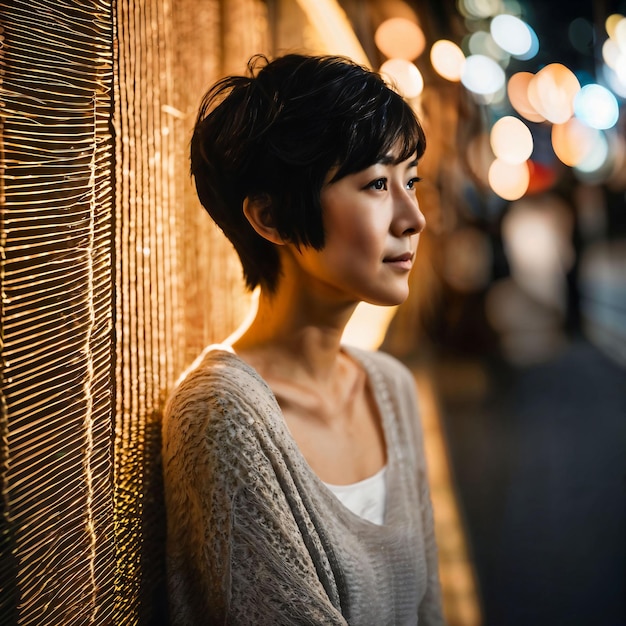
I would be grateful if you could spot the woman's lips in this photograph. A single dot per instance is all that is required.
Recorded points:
(402, 261)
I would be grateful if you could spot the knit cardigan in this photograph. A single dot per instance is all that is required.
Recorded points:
(255, 537)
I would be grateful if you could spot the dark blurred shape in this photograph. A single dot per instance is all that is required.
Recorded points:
(540, 458)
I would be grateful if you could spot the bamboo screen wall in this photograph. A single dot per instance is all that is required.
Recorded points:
(112, 281)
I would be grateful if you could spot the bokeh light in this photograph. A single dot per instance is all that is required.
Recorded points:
(619, 34)
(573, 141)
(511, 140)
(481, 42)
(479, 8)
(400, 38)
(611, 53)
(597, 157)
(582, 35)
(482, 75)
(596, 106)
(620, 68)
(509, 180)
(552, 92)
(511, 7)
(534, 46)
(542, 176)
(517, 90)
(611, 22)
(512, 34)
(537, 239)
(611, 78)
(577, 106)
(447, 59)
(404, 76)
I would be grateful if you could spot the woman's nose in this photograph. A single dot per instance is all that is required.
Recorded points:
(409, 218)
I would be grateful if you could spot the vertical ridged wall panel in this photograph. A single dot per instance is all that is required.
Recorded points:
(57, 559)
(113, 279)
(147, 127)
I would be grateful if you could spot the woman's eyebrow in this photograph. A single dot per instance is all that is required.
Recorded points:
(389, 159)
(386, 159)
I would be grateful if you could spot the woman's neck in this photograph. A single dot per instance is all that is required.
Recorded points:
(295, 333)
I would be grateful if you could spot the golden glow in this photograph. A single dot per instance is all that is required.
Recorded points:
(611, 22)
(368, 325)
(458, 578)
(333, 29)
(511, 140)
(447, 59)
(509, 180)
(552, 91)
(619, 34)
(399, 37)
(177, 280)
(56, 276)
(517, 91)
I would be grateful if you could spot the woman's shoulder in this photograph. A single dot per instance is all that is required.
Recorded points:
(218, 368)
(218, 390)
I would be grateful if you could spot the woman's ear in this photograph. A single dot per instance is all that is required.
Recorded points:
(257, 210)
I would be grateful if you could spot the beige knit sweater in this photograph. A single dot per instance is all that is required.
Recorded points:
(254, 537)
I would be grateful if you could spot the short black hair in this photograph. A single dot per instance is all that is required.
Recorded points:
(277, 133)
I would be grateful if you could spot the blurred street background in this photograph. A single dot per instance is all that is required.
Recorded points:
(523, 318)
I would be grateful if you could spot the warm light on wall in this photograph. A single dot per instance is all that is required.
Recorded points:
(333, 29)
(110, 281)
(57, 562)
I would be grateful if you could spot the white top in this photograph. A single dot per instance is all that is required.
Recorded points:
(365, 498)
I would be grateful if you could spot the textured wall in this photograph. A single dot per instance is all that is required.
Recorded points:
(57, 316)
(112, 280)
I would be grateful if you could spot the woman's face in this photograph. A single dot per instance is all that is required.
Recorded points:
(372, 223)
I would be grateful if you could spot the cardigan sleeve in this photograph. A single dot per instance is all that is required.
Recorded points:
(402, 383)
(430, 609)
(236, 552)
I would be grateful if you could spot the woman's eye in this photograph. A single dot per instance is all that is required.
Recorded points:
(411, 184)
(380, 184)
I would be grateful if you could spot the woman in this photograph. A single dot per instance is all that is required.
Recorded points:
(296, 487)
